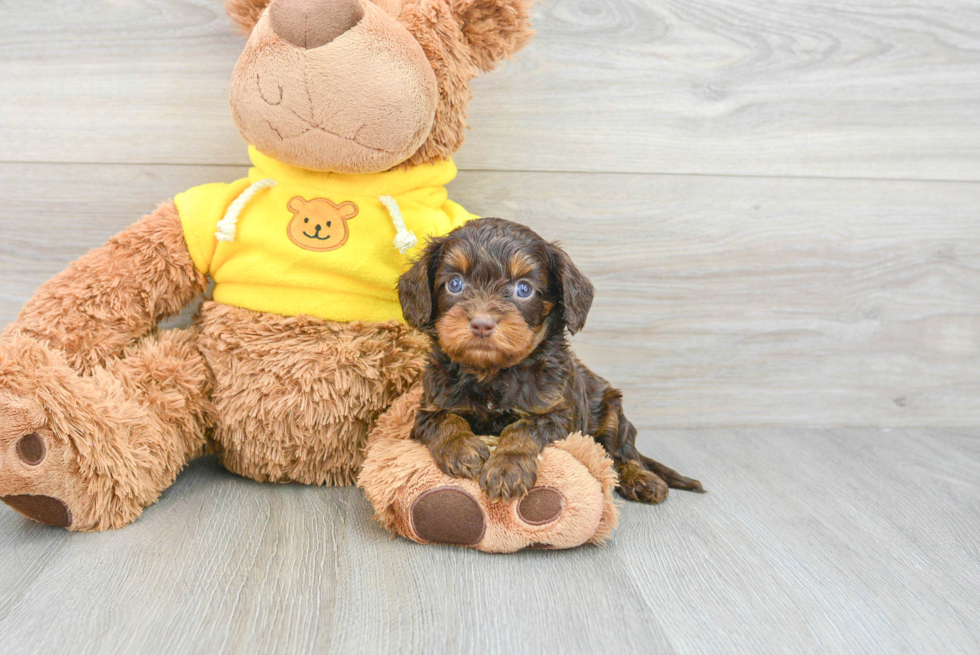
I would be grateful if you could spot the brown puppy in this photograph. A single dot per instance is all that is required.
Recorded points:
(496, 299)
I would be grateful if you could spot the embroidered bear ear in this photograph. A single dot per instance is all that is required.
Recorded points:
(493, 29)
(348, 210)
(296, 204)
(245, 13)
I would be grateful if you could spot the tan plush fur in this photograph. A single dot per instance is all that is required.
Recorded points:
(398, 470)
(602, 468)
(115, 438)
(297, 396)
(245, 13)
(279, 399)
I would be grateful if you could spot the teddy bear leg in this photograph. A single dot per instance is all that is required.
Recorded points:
(90, 452)
(570, 504)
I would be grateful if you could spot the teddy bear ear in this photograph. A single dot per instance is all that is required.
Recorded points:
(348, 210)
(494, 29)
(296, 204)
(245, 13)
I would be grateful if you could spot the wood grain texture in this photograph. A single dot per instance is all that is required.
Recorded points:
(734, 87)
(721, 301)
(858, 541)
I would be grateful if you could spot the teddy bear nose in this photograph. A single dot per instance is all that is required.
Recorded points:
(312, 23)
(483, 326)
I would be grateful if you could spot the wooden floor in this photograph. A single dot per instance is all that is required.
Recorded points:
(779, 204)
(810, 540)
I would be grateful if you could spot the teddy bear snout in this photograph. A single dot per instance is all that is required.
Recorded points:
(313, 23)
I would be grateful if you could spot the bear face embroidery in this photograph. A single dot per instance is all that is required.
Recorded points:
(319, 224)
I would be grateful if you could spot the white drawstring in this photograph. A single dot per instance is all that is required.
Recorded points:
(226, 226)
(405, 240)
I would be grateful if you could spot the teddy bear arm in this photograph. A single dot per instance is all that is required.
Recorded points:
(115, 294)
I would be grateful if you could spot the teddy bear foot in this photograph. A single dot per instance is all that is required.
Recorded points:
(43, 509)
(449, 515)
(571, 505)
(33, 483)
(90, 452)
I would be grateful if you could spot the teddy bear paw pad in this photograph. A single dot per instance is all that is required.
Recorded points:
(43, 509)
(31, 449)
(448, 515)
(541, 505)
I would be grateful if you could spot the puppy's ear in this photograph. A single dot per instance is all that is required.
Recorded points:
(575, 292)
(245, 13)
(493, 29)
(415, 287)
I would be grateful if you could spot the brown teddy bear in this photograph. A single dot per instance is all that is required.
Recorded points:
(352, 109)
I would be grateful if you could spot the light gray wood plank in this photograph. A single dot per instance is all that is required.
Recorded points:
(721, 301)
(129, 81)
(224, 565)
(857, 540)
(739, 87)
(447, 600)
(210, 568)
(798, 88)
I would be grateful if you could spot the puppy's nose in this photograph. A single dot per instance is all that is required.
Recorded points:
(312, 23)
(483, 326)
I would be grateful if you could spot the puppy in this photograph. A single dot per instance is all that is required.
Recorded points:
(496, 300)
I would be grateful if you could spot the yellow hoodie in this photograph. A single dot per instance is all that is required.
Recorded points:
(291, 241)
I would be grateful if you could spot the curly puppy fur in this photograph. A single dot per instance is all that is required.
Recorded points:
(495, 300)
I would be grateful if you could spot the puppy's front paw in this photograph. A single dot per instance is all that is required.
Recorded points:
(509, 475)
(461, 457)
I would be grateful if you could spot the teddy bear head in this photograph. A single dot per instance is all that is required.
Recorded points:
(362, 86)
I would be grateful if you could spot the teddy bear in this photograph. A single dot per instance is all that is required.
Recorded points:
(300, 367)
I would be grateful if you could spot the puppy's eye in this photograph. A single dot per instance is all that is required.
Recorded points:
(455, 285)
(523, 290)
